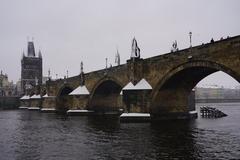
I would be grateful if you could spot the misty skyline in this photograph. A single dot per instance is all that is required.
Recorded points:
(68, 32)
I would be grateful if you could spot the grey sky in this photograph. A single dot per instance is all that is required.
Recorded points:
(70, 31)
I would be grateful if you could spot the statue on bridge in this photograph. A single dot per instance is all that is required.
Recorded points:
(135, 50)
(174, 46)
(82, 78)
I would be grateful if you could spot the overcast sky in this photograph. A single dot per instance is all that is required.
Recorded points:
(70, 31)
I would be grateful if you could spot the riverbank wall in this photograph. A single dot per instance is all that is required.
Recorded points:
(217, 100)
(9, 102)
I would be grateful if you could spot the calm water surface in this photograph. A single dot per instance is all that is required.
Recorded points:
(30, 135)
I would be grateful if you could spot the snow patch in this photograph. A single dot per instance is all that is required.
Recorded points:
(81, 90)
(25, 97)
(79, 111)
(48, 109)
(45, 96)
(22, 107)
(36, 96)
(135, 115)
(192, 112)
(143, 85)
(129, 86)
(33, 108)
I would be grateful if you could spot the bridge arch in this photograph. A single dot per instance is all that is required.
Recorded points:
(105, 95)
(63, 100)
(64, 91)
(172, 92)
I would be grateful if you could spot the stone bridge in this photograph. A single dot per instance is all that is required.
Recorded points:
(172, 77)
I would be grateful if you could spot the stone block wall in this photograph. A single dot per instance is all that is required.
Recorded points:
(80, 102)
(49, 102)
(9, 102)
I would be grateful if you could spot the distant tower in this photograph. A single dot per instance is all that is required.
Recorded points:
(117, 58)
(31, 68)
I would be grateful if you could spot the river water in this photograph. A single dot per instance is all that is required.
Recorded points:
(31, 135)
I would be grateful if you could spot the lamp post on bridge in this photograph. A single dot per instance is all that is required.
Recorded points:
(106, 63)
(49, 74)
(190, 36)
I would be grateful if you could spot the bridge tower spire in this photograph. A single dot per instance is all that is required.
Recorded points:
(31, 49)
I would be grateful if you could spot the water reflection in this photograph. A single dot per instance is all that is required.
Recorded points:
(175, 139)
(106, 124)
(28, 138)
(36, 136)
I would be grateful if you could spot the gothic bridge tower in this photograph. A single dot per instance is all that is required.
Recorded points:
(31, 71)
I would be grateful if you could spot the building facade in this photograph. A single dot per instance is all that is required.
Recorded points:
(217, 93)
(6, 88)
(31, 68)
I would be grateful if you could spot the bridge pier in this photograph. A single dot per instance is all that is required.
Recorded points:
(105, 103)
(80, 102)
(137, 101)
(48, 104)
(180, 105)
(63, 104)
(35, 102)
(24, 104)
